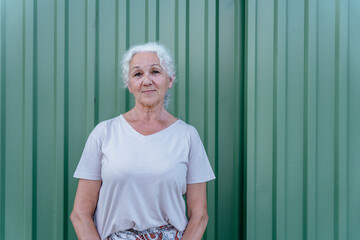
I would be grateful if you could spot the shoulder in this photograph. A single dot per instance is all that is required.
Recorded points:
(101, 129)
(189, 130)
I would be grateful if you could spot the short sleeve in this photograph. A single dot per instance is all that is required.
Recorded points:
(199, 168)
(89, 166)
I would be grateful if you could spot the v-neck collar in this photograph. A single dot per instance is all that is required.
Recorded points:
(142, 136)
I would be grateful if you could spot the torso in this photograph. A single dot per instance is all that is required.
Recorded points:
(148, 173)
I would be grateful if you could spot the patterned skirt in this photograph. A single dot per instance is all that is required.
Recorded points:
(166, 232)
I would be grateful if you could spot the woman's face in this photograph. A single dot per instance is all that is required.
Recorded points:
(148, 81)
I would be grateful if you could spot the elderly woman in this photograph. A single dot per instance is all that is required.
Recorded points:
(136, 168)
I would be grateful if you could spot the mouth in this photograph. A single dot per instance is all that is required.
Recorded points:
(148, 91)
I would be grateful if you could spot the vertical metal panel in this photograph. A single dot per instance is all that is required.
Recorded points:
(302, 88)
(351, 141)
(2, 125)
(13, 116)
(60, 76)
(228, 116)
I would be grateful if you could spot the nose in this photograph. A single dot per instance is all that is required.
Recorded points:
(147, 80)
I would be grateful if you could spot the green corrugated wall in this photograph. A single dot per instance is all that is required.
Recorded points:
(273, 88)
(60, 76)
(303, 119)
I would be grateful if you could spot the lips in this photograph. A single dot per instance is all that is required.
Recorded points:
(148, 91)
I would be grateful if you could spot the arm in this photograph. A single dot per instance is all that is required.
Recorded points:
(197, 211)
(86, 198)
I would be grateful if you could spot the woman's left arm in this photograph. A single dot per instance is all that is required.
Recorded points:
(197, 211)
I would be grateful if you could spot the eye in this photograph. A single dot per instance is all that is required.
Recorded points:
(155, 71)
(137, 74)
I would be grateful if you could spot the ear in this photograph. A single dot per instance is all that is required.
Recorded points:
(171, 81)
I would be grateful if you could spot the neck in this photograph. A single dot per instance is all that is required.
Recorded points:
(143, 113)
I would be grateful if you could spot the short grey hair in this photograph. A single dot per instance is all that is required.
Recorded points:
(166, 61)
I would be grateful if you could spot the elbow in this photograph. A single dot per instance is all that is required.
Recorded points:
(77, 216)
(201, 218)
(205, 218)
(74, 217)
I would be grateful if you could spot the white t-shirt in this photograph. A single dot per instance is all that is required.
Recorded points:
(143, 177)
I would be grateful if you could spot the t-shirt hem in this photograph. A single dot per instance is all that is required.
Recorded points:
(88, 177)
(199, 180)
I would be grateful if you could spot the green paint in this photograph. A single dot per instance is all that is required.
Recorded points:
(3, 120)
(97, 84)
(176, 52)
(127, 98)
(118, 77)
(157, 20)
(275, 124)
(23, 170)
(35, 126)
(146, 21)
(336, 122)
(55, 224)
(305, 120)
(187, 62)
(217, 232)
(270, 160)
(66, 124)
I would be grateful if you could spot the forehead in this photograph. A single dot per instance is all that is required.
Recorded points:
(144, 58)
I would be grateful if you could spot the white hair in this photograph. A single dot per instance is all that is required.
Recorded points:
(166, 61)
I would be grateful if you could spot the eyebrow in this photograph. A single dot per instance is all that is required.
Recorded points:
(155, 64)
(135, 67)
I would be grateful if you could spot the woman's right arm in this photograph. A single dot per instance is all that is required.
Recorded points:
(86, 198)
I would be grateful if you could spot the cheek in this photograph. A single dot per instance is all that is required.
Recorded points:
(132, 87)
